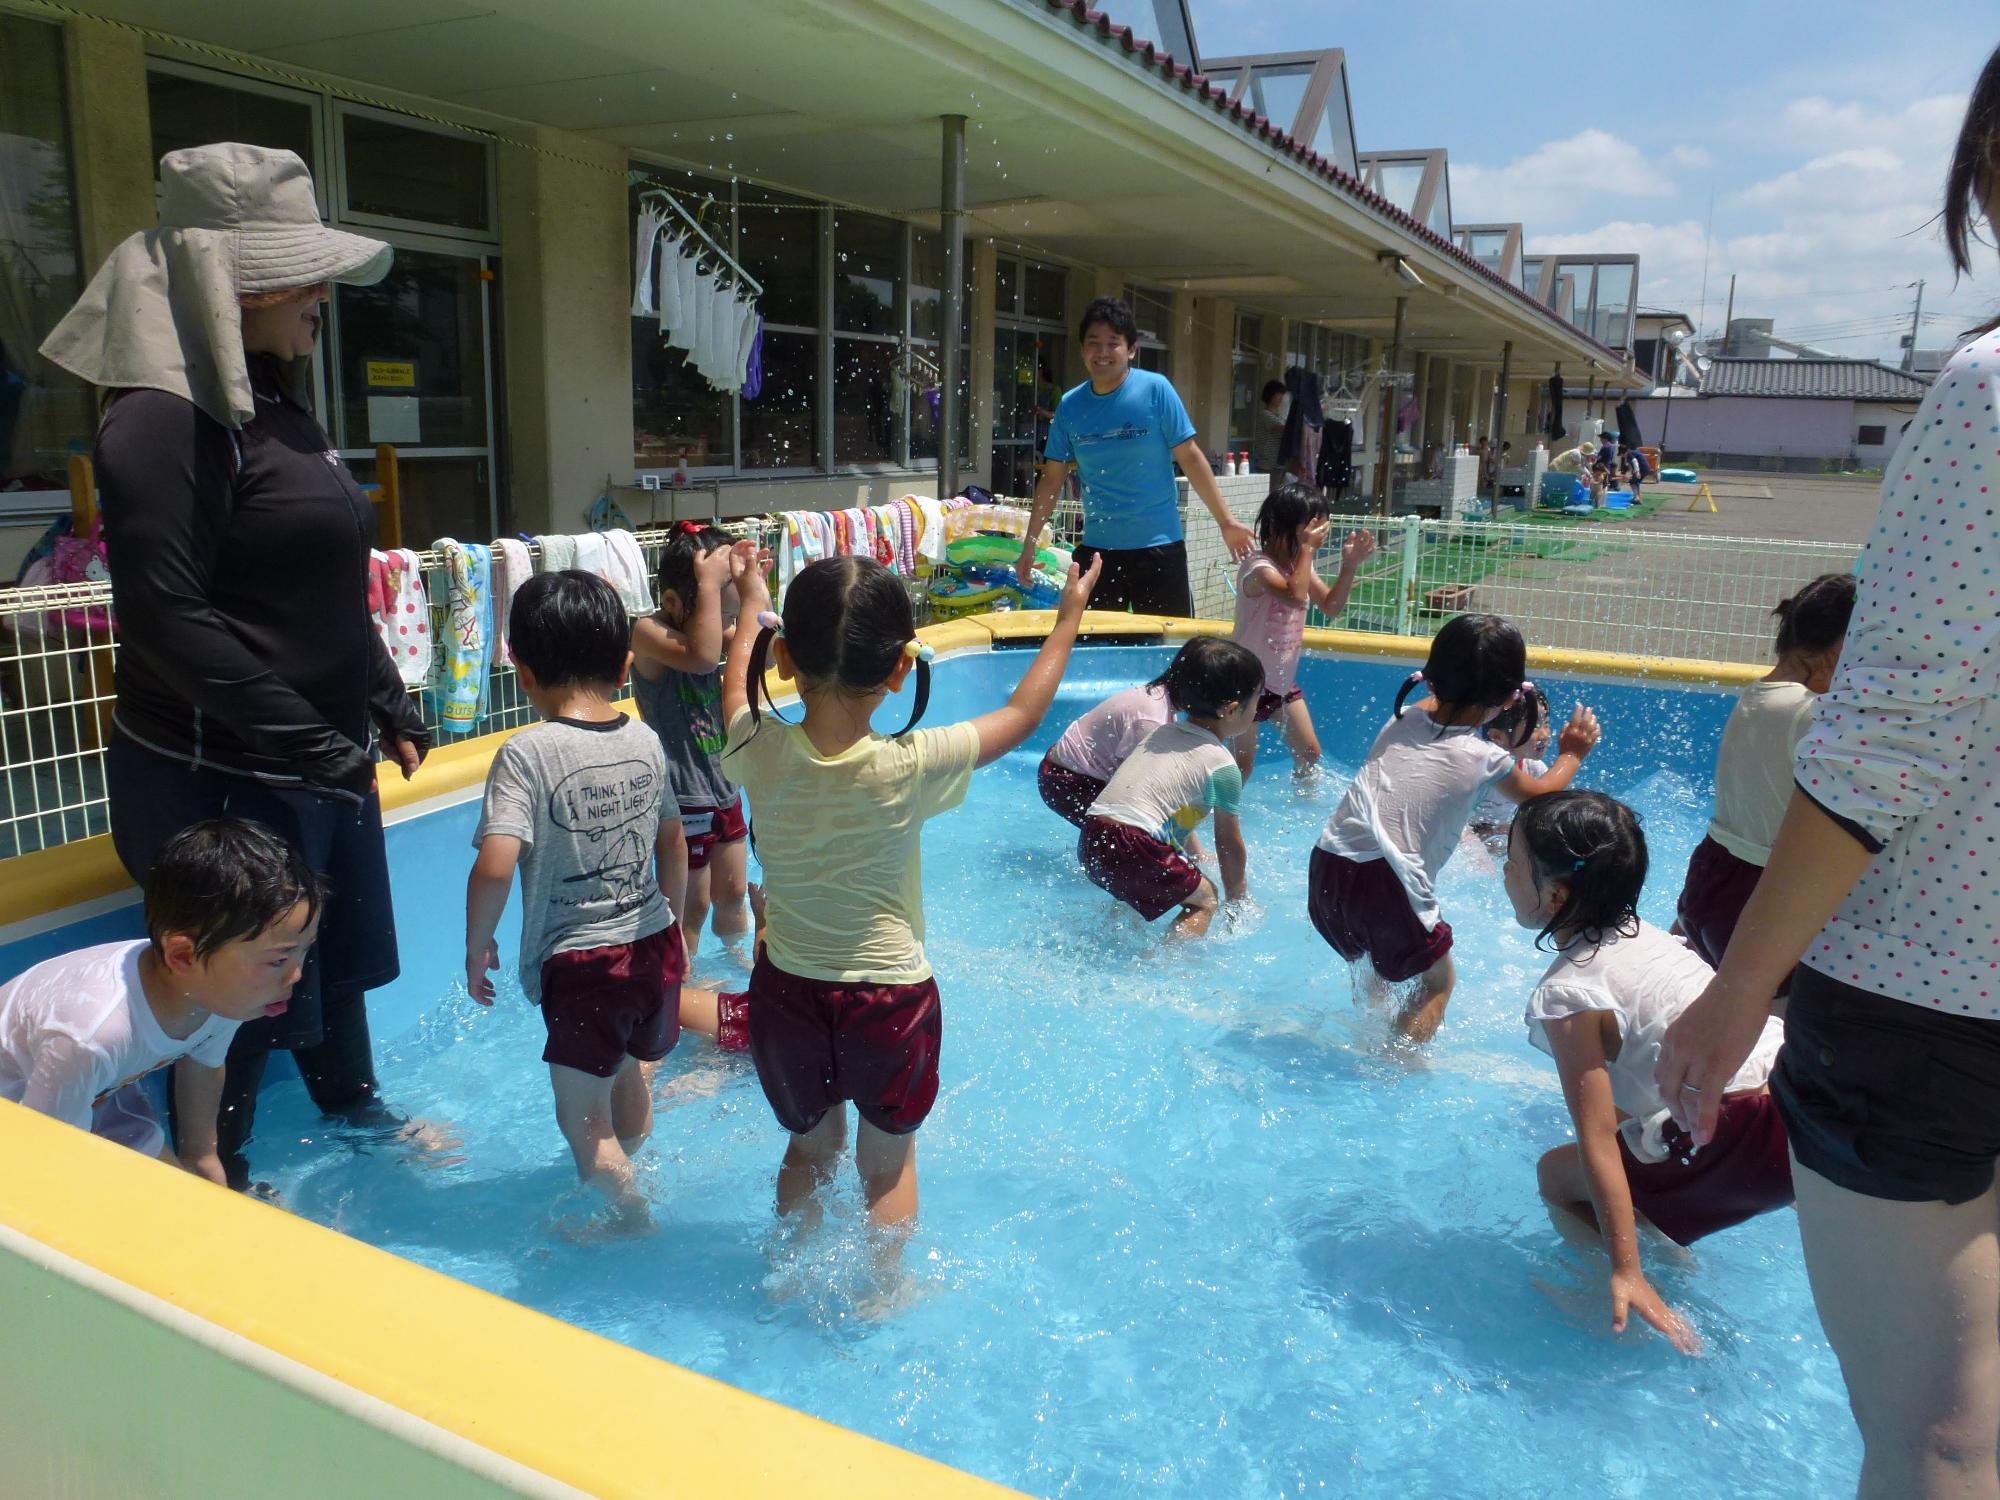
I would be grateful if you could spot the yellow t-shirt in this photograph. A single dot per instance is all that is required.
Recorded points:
(838, 839)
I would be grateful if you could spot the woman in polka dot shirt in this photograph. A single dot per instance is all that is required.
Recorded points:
(1884, 887)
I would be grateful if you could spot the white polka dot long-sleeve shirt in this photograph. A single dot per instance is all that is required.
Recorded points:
(1904, 748)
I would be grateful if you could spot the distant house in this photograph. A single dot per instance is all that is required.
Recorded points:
(1798, 414)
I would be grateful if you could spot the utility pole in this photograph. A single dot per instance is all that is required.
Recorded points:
(1916, 317)
(1729, 313)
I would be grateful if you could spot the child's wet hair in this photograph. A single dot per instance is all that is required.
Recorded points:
(224, 880)
(1476, 661)
(1815, 618)
(1290, 506)
(1516, 724)
(1595, 846)
(1208, 673)
(847, 623)
(569, 628)
(687, 544)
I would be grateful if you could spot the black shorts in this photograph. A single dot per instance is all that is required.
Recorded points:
(1145, 580)
(1888, 1098)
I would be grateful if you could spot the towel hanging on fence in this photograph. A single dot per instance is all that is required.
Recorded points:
(511, 569)
(558, 553)
(468, 643)
(625, 571)
(404, 617)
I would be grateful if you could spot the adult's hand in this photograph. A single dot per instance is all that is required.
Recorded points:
(407, 753)
(1236, 537)
(1702, 1051)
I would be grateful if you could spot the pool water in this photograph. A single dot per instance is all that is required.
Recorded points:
(1190, 1225)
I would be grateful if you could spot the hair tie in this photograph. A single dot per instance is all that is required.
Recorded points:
(770, 622)
(690, 528)
(1579, 864)
(917, 650)
(1414, 678)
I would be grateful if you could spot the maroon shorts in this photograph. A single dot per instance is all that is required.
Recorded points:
(1362, 910)
(1743, 1172)
(1148, 874)
(732, 1023)
(1713, 896)
(819, 1041)
(1068, 793)
(706, 827)
(603, 1005)
(1270, 705)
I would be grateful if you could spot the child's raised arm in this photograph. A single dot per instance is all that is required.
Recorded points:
(1331, 599)
(1577, 1043)
(1021, 715)
(756, 601)
(697, 647)
(485, 898)
(1578, 738)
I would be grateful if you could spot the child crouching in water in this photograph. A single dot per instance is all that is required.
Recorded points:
(677, 685)
(1275, 585)
(1576, 863)
(231, 912)
(842, 1003)
(1133, 836)
(1372, 889)
(574, 804)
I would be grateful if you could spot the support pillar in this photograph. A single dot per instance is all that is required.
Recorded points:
(1500, 421)
(951, 208)
(1386, 483)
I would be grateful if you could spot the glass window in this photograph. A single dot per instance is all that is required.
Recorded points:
(1334, 139)
(679, 421)
(927, 282)
(779, 431)
(1531, 275)
(194, 112)
(1164, 23)
(865, 383)
(396, 171)
(1154, 312)
(867, 274)
(45, 413)
(1487, 246)
(412, 355)
(1612, 321)
(1279, 93)
(1225, 79)
(778, 242)
(1400, 181)
(1439, 221)
(1045, 293)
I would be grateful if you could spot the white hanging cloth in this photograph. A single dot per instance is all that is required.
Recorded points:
(671, 316)
(646, 235)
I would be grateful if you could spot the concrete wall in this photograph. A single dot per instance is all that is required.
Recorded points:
(1753, 427)
(566, 306)
(1891, 418)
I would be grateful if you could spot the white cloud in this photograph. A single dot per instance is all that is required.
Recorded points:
(1689, 157)
(1551, 181)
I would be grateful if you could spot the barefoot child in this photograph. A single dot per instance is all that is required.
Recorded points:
(1373, 883)
(842, 1002)
(1576, 862)
(1753, 769)
(574, 804)
(231, 912)
(1275, 584)
(677, 684)
(1133, 837)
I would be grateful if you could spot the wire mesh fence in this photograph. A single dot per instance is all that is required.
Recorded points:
(1601, 587)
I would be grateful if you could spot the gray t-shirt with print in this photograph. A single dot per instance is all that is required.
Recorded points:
(584, 799)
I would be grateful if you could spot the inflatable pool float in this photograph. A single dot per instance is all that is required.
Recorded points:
(953, 594)
(986, 549)
(1680, 476)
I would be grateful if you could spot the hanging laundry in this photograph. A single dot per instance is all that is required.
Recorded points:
(671, 316)
(701, 322)
(746, 333)
(558, 553)
(511, 569)
(404, 617)
(753, 365)
(627, 572)
(1336, 456)
(1407, 414)
(468, 641)
(645, 244)
(592, 556)
(930, 527)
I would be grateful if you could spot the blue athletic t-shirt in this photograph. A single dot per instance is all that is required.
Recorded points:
(1123, 448)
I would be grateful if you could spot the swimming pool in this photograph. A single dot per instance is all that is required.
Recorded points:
(1187, 1224)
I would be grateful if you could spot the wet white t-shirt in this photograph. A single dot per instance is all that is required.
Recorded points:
(1412, 799)
(1097, 744)
(1753, 769)
(77, 1029)
(1645, 981)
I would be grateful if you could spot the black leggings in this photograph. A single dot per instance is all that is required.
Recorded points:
(1145, 580)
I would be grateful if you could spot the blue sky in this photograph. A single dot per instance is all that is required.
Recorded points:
(1822, 130)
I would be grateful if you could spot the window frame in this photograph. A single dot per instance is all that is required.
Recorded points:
(337, 117)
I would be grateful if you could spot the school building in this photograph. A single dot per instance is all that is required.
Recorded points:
(925, 194)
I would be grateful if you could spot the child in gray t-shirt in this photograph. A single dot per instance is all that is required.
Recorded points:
(573, 803)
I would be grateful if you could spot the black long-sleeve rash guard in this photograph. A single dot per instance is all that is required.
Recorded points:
(239, 574)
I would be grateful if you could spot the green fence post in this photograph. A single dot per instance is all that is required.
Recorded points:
(1406, 583)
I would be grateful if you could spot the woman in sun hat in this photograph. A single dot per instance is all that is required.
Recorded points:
(251, 680)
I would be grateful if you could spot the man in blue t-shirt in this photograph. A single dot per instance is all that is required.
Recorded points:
(1122, 432)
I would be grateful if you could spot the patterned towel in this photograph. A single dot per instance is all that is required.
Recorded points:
(468, 641)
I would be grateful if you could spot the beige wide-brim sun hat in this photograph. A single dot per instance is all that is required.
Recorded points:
(162, 312)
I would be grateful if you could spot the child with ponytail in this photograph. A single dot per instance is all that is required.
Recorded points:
(1372, 891)
(842, 1004)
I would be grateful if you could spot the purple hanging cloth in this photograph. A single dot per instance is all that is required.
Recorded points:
(753, 369)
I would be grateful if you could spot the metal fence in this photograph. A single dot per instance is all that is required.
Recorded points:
(1607, 587)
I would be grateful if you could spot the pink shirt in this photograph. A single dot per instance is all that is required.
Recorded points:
(1269, 623)
(1098, 743)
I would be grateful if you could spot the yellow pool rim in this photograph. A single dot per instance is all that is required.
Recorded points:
(37, 886)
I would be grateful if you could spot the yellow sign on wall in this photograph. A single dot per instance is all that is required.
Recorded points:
(392, 374)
